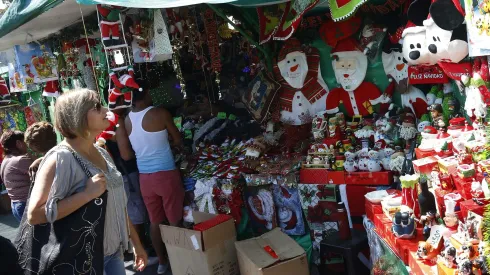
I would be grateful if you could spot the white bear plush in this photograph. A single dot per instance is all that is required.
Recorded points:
(440, 45)
(414, 46)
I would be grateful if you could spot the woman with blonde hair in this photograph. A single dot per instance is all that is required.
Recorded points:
(76, 215)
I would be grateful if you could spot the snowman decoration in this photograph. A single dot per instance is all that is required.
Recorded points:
(374, 164)
(395, 66)
(363, 159)
(303, 91)
(385, 161)
(357, 95)
(350, 164)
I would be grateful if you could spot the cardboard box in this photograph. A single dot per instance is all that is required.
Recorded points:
(273, 253)
(369, 178)
(211, 252)
(320, 176)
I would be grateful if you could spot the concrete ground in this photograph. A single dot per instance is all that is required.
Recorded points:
(8, 229)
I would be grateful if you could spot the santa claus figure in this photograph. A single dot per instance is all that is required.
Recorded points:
(350, 66)
(287, 218)
(262, 208)
(110, 132)
(303, 90)
(123, 86)
(4, 91)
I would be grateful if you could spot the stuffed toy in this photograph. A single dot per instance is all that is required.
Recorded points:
(4, 91)
(371, 38)
(414, 45)
(395, 66)
(123, 86)
(477, 94)
(356, 95)
(110, 132)
(303, 92)
(427, 252)
(109, 24)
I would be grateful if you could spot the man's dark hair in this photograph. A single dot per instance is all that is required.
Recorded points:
(40, 137)
(9, 139)
(139, 94)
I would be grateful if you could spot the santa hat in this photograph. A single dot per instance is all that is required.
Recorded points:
(408, 120)
(411, 28)
(430, 130)
(380, 144)
(333, 32)
(396, 37)
(292, 45)
(51, 89)
(346, 47)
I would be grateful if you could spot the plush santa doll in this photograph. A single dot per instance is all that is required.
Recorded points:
(303, 90)
(110, 132)
(109, 24)
(4, 91)
(51, 89)
(123, 86)
(357, 96)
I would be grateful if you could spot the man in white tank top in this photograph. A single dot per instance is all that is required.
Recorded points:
(148, 130)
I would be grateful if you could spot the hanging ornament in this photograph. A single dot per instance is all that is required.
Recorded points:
(225, 32)
(220, 96)
(213, 44)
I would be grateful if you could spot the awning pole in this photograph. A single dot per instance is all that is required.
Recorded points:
(246, 35)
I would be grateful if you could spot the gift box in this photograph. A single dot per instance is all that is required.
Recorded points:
(463, 186)
(372, 209)
(441, 206)
(390, 210)
(471, 205)
(321, 176)
(389, 237)
(466, 171)
(355, 194)
(448, 165)
(369, 178)
(424, 166)
(420, 154)
(405, 246)
(379, 221)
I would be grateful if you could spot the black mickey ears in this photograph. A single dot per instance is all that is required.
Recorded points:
(446, 14)
(418, 11)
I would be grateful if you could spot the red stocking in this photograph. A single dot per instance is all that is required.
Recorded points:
(410, 198)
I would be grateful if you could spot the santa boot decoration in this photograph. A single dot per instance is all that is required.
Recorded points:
(128, 97)
(4, 91)
(481, 79)
(51, 89)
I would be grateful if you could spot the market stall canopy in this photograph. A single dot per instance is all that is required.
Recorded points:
(26, 21)
(152, 4)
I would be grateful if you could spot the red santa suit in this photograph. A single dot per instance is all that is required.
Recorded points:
(108, 133)
(357, 96)
(4, 91)
(303, 90)
(123, 86)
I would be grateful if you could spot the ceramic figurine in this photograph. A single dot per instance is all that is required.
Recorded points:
(428, 209)
(374, 164)
(437, 116)
(350, 164)
(481, 262)
(427, 252)
(385, 161)
(403, 225)
(465, 267)
(332, 127)
(363, 159)
(449, 257)
(451, 219)
(476, 190)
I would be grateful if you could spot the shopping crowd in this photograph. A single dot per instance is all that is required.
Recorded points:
(116, 190)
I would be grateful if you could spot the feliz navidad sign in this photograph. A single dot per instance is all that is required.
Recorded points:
(426, 75)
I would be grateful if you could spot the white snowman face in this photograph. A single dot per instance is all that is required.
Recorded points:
(388, 152)
(414, 47)
(395, 65)
(350, 69)
(294, 69)
(373, 154)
